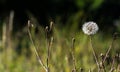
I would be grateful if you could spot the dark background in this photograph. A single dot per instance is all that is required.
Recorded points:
(104, 12)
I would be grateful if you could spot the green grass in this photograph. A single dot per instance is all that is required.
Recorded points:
(21, 57)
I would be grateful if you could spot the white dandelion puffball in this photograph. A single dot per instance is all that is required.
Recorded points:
(90, 28)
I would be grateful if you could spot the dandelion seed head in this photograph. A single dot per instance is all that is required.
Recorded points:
(90, 28)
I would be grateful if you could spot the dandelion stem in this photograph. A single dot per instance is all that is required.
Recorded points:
(35, 48)
(94, 54)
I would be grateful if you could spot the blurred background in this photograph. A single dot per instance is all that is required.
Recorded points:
(16, 54)
(104, 12)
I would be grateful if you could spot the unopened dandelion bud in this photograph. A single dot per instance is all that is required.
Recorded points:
(51, 25)
(46, 29)
(102, 56)
(29, 24)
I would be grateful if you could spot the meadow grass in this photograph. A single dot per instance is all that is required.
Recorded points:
(68, 51)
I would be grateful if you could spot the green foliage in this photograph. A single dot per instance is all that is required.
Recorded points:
(90, 4)
(96, 4)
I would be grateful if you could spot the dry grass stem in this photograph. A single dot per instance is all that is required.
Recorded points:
(73, 54)
(94, 54)
(115, 35)
(49, 42)
(108, 51)
(35, 48)
(112, 66)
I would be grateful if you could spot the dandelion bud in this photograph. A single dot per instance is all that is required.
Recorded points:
(29, 24)
(46, 29)
(51, 25)
(90, 28)
(102, 56)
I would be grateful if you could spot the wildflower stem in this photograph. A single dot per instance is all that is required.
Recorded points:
(94, 54)
(103, 67)
(73, 54)
(101, 63)
(112, 66)
(49, 44)
(35, 48)
(108, 50)
(81, 69)
(89, 70)
(49, 41)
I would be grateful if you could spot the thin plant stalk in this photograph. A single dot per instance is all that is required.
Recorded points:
(115, 35)
(112, 66)
(89, 70)
(49, 41)
(73, 54)
(101, 63)
(103, 67)
(94, 54)
(108, 50)
(35, 48)
(81, 69)
(48, 53)
(118, 68)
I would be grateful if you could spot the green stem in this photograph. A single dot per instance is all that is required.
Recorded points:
(73, 54)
